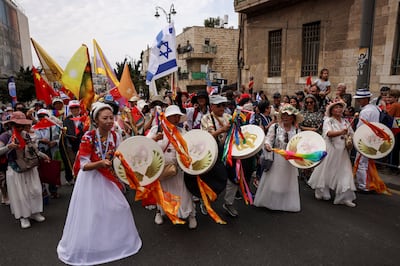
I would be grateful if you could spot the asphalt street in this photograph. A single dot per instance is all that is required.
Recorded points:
(321, 234)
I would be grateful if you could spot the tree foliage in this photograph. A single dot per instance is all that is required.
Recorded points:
(212, 22)
(24, 84)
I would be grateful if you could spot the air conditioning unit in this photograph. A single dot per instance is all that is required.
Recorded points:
(215, 75)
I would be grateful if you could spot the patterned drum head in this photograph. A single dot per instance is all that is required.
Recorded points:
(255, 138)
(145, 158)
(371, 144)
(306, 142)
(203, 150)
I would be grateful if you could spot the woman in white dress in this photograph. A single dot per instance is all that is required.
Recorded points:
(335, 171)
(175, 184)
(279, 188)
(23, 185)
(99, 227)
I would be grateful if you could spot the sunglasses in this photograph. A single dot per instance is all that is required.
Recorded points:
(309, 102)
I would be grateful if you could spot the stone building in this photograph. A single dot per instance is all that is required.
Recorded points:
(202, 51)
(282, 42)
(15, 45)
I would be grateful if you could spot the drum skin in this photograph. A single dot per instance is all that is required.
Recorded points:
(255, 138)
(145, 158)
(370, 144)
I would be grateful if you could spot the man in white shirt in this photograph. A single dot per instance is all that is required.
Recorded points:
(370, 113)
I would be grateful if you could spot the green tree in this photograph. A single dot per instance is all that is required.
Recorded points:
(24, 84)
(212, 22)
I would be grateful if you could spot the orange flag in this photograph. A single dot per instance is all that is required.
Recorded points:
(126, 87)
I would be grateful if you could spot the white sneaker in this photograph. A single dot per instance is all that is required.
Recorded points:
(192, 222)
(38, 217)
(349, 203)
(25, 223)
(158, 219)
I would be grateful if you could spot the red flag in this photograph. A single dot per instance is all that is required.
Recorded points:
(309, 81)
(43, 90)
(44, 123)
(17, 136)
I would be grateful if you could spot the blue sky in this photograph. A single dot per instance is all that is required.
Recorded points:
(123, 28)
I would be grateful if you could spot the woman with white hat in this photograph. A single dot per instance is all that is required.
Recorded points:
(335, 171)
(279, 187)
(99, 227)
(175, 184)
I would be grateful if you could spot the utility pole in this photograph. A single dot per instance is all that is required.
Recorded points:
(366, 41)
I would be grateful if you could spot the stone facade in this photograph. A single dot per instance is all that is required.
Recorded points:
(215, 47)
(340, 25)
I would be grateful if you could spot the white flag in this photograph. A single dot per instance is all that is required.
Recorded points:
(162, 55)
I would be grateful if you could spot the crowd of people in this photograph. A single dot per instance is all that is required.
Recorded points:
(85, 145)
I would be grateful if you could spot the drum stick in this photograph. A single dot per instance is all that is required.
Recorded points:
(352, 121)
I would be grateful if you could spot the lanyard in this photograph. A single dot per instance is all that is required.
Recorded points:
(100, 146)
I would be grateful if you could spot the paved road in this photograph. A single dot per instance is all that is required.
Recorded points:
(321, 234)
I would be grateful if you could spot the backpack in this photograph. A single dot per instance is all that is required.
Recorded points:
(385, 118)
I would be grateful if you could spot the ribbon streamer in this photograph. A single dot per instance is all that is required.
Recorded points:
(207, 195)
(247, 196)
(169, 202)
(315, 156)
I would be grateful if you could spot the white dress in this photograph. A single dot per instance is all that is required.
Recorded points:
(335, 171)
(176, 184)
(279, 187)
(99, 227)
(25, 192)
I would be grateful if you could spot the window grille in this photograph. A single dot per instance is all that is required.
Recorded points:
(274, 53)
(311, 40)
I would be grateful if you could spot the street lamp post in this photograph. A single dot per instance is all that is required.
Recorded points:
(172, 11)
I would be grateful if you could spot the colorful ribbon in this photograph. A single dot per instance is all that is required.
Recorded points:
(169, 202)
(207, 195)
(246, 193)
(315, 156)
(374, 181)
(176, 139)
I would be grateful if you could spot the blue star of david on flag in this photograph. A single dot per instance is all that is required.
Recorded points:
(162, 55)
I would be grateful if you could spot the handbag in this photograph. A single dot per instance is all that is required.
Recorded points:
(169, 171)
(267, 158)
(349, 142)
(50, 173)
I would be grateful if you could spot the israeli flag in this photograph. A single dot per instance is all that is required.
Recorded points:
(162, 55)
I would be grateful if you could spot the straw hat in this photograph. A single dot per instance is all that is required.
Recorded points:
(290, 110)
(331, 105)
(19, 118)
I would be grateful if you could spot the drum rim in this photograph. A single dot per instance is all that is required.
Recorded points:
(213, 148)
(117, 161)
(312, 133)
(364, 126)
(254, 151)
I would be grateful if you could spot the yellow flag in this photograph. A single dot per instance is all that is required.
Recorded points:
(126, 87)
(101, 65)
(73, 73)
(52, 70)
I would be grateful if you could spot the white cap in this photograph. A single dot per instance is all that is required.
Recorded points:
(43, 112)
(217, 99)
(74, 103)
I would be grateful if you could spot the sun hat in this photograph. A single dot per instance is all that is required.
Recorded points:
(57, 99)
(9, 108)
(19, 118)
(157, 98)
(74, 103)
(42, 112)
(134, 99)
(141, 104)
(175, 110)
(200, 94)
(333, 104)
(290, 110)
(362, 93)
(217, 99)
